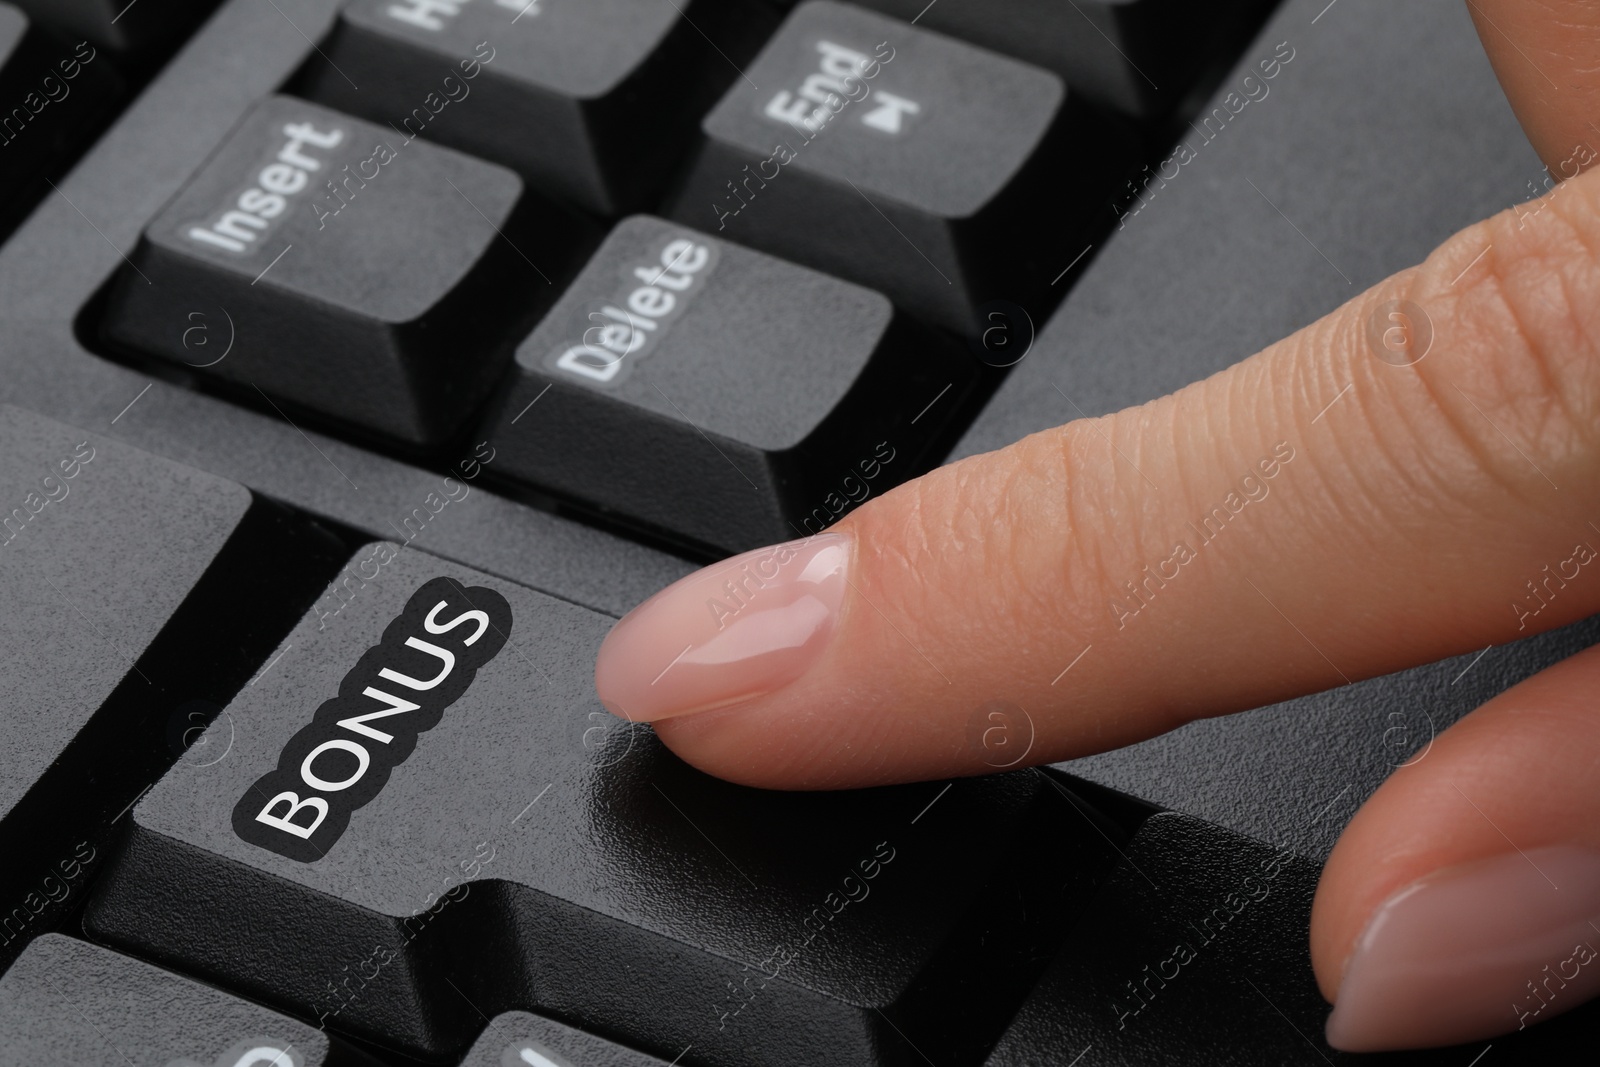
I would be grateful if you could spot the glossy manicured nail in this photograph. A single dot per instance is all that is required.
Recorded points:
(1474, 951)
(733, 631)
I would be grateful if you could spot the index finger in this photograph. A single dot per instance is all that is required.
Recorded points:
(1336, 507)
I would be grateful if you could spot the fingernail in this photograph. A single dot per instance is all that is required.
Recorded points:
(1474, 951)
(736, 630)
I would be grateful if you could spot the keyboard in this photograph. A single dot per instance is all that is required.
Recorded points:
(362, 361)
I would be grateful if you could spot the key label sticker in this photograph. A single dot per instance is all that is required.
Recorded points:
(841, 78)
(242, 224)
(399, 689)
(654, 294)
(528, 1054)
(253, 1052)
(431, 14)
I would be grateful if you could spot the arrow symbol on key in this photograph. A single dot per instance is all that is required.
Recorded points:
(888, 115)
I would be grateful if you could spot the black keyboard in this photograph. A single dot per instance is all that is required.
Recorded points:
(361, 362)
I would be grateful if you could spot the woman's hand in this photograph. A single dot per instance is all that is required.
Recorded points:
(1335, 507)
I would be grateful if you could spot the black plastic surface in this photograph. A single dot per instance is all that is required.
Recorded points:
(139, 596)
(531, 852)
(899, 158)
(728, 397)
(121, 25)
(1139, 56)
(361, 273)
(67, 1003)
(1198, 954)
(594, 102)
(52, 92)
(1381, 135)
(75, 242)
(517, 1039)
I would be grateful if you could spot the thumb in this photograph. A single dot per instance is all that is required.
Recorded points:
(1377, 490)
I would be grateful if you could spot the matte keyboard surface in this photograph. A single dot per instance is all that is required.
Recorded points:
(118, 24)
(1201, 947)
(593, 101)
(517, 1039)
(66, 1003)
(735, 399)
(328, 304)
(426, 774)
(122, 574)
(899, 158)
(57, 88)
(558, 299)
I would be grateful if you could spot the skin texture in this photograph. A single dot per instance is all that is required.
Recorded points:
(1396, 529)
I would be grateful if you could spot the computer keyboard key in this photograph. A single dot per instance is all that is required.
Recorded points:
(1139, 56)
(133, 587)
(517, 1039)
(1196, 940)
(901, 159)
(371, 279)
(1196, 952)
(492, 840)
(51, 92)
(593, 101)
(727, 397)
(120, 25)
(67, 1003)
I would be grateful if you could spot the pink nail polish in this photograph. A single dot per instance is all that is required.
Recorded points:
(736, 630)
(1473, 951)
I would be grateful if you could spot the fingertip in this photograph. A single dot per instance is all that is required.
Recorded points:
(1473, 951)
(1463, 901)
(726, 634)
(717, 743)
